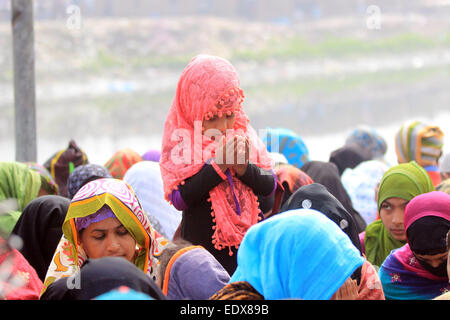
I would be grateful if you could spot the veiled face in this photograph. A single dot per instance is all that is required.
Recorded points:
(204, 82)
(434, 260)
(108, 238)
(222, 124)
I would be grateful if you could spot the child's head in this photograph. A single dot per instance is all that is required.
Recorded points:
(222, 124)
(207, 104)
(209, 91)
(392, 213)
(427, 223)
(398, 186)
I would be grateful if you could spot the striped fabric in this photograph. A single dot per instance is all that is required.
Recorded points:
(419, 142)
(444, 186)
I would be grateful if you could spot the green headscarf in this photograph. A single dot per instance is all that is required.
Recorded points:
(17, 181)
(404, 181)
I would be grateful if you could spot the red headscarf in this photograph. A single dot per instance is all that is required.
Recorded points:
(209, 86)
(19, 280)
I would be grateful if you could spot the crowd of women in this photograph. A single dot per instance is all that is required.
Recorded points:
(220, 213)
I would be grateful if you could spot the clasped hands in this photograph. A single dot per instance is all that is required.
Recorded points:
(233, 154)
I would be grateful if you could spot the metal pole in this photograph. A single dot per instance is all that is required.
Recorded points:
(24, 82)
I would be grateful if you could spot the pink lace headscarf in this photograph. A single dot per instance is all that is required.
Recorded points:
(207, 87)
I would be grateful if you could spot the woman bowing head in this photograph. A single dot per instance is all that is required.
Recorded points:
(105, 218)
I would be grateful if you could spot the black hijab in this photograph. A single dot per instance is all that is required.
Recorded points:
(316, 196)
(327, 174)
(98, 276)
(428, 236)
(349, 156)
(40, 227)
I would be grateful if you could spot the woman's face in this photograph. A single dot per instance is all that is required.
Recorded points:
(434, 260)
(392, 214)
(108, 238)
(437, 264)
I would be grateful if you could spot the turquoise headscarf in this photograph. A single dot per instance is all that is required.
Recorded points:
(299, 254)
(288, 143)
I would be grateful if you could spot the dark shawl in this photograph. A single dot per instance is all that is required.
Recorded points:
(98, 276)
(327, 174)
(427, 235)
(40, 227)
(349, 156)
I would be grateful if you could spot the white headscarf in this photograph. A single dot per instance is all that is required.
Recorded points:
(444, 163)
(145, 179)
(360, 184)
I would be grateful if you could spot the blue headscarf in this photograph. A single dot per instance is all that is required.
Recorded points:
(297, 254)
(288, 143)
(370, 140)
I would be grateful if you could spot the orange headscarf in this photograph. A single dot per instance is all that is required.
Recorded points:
(121, 161)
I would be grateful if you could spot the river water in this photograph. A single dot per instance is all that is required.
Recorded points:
(73, 103)
(99, 149)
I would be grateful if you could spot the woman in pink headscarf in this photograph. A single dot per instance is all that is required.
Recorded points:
(418, 270)
(213, 165)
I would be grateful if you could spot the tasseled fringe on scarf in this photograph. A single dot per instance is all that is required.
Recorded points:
(222, 101)
(166, 196)
(214, 237)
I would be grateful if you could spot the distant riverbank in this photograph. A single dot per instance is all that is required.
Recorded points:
(110, 84)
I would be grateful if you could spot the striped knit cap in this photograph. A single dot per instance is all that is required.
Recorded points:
(444, 186)
(419, 142)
